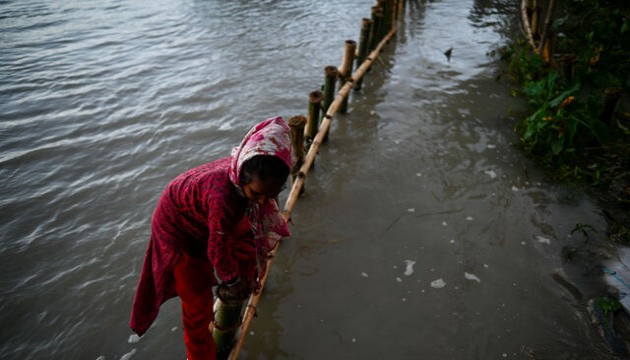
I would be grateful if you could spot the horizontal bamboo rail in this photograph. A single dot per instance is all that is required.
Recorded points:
(298, 184)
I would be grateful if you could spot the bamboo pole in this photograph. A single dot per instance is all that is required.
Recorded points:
(250, 310)
(366, 25)
(387, 17)
(312, 122)
(227, 320)
(296, 124)
(375, 29)
(330, 79)
(526, 24)
(345, 70)
(546, 26)
(535, 24)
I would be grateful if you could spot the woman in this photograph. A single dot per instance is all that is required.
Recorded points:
(211, 227)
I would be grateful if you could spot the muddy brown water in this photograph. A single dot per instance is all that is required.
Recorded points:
(423, 233)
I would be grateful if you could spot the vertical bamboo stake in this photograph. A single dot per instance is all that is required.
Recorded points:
(297, 123)
(375, 30)
(312, 122)
(366, 25)
(345, 70)
(227, 320)
(387, 17)
(330, 79)
(611, 97)
(536, 21)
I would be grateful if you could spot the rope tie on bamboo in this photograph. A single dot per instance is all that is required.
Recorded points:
(254, 309)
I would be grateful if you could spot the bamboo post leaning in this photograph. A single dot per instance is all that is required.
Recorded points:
(250, 310)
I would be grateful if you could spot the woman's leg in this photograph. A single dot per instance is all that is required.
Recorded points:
(193, 281)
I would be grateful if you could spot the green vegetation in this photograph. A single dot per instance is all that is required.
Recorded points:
(570, 128)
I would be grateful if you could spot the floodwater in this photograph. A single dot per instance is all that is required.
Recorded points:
(423, 233)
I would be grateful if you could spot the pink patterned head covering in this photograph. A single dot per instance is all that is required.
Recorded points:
(270, 137)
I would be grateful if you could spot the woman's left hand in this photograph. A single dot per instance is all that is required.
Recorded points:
(234, 290)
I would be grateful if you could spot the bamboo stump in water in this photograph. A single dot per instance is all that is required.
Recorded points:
(314, 108)
(227, 320)
(330, 80)
(297, 123)
(345, 70)
(366, 25)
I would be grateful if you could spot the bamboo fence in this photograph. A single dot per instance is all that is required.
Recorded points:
(299, 174)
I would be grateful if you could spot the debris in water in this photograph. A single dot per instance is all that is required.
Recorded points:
(486, 266)
(372, 112)
(491, 146)
(129, 355)
(448, 53)
(444, 223)
(418, 174)
(174, 328)
(251, 333)
(365, 275)
(472, 277)
(542, 239)
(469, 218)
(453, 241)
(514, 188)
(354, 340)
(133, 338)
(490, 173)
(523, 243)
(409, 269)
(411, 210)
(438, 284)
(398, 279)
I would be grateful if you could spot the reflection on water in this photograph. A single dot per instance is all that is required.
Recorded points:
(423, 232)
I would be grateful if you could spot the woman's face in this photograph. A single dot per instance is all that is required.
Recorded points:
(261, 192)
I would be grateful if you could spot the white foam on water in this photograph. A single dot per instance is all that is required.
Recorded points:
(438, 284)
(490, 173)
(411, 210)
(469, 218)
(542, 239)
(365, 275)
(133, 338)
(444, 223)
(398, 279)
(514, 188)
(409, 267)
(129, 355)
(472, 277)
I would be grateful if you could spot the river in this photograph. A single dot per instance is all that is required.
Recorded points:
(423, 233)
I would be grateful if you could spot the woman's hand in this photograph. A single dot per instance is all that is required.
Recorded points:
(234, 290)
